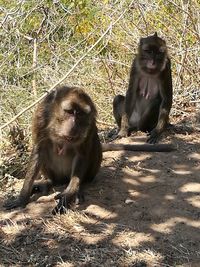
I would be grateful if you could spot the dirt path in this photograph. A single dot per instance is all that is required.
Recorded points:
(141, 210)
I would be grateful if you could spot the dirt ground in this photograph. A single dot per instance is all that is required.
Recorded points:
(142, 210)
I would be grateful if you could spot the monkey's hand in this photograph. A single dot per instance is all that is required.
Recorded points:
(17, 203)
(153, 136)
(66, 201)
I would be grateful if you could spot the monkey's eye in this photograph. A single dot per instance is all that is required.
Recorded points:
(80, 113)
(148, 51)
(69, 111)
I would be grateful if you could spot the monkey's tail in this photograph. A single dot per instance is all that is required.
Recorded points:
(144, 148)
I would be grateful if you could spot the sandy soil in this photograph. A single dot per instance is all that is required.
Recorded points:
(141, 210)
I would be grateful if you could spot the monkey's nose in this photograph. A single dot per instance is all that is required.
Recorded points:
(151, 66)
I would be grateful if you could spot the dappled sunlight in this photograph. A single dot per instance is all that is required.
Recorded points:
(139, 158)
(139, 168)
(131, 181)
(136, 210)
(169, 197)
(135, 193)
(181, 170)
(132, 239)
(148, 255)
(94, 239)
(147, 179)
(101, 212)
(168, 226)
(154, 171)
(143, 208)
(130, 172)
(194, 156)
(190, 187)
(141, 257)
(12, 229)
(194, 201)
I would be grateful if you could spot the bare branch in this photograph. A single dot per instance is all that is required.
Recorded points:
(67, 74)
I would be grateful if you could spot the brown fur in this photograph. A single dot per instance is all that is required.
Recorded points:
(66, 147)
(148, 99)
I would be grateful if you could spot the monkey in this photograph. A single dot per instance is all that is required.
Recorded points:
(148, 99)
(66, 148)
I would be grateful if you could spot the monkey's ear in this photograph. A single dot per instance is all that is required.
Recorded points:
(51, 96)
(162, 49)
(155, 34)
(55, 92)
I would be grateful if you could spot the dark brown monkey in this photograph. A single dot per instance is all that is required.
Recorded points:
(66, 147)
(148, 99)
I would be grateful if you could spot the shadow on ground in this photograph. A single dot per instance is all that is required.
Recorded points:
(141, 210)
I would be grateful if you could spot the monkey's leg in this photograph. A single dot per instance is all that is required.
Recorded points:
(155, 134)
(120, 115)
(68, 198)
(32, 174)
(118, 109)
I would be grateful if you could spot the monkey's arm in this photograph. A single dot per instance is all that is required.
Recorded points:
(165, 107)
(31, 175)
(130, 101)
(67, 199)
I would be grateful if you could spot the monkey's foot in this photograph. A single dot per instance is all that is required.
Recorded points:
(13, 204)
(65, 202)
(117, 134)
(153, 137)
(112, 134)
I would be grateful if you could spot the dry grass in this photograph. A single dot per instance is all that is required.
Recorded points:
(106, 231)
(159, 228)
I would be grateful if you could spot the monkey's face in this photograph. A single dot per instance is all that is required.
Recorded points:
(152, 55)
(71, 122)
